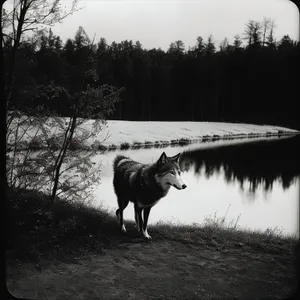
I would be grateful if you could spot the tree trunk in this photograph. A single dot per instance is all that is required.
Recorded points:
(2, 89)
(64, 150)
(264, 37)
(17, 39)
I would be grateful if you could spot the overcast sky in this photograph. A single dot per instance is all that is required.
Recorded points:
(157, 23)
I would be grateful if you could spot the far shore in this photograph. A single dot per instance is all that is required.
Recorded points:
(126, 134)
(132, 132)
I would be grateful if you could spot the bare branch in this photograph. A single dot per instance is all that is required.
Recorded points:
(29, 29)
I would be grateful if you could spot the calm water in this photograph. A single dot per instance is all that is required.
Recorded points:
(255, 180)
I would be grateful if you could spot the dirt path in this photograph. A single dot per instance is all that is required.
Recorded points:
(159, 270)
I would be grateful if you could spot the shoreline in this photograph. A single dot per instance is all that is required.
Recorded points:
(149, 134)
(184, 142)
(140, 134)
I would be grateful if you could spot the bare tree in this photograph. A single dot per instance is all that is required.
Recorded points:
(257, 33)
(249, 31)
(270, 37)
(265, 27)
(253, 33)
(24, 16)
(19, 17)
(3, 21)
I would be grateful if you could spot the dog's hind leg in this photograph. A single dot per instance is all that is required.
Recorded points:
(119, 212)
(136, 218)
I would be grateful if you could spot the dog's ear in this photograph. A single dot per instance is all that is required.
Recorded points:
(176, 158)
(163, 159)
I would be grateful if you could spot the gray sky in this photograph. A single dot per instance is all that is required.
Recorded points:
(158, 23)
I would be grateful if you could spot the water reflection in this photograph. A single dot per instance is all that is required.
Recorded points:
(259, 163)
(267, 169)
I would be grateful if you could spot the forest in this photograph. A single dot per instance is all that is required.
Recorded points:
(252, 80)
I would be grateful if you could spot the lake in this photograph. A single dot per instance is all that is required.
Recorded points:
(254, 182)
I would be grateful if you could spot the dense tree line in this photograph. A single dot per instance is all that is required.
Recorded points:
(255, 79)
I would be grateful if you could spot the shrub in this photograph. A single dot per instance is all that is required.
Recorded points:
(36, 143)
(55, 142)
(124, 145)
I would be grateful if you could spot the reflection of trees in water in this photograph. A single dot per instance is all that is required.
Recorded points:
(261, 163)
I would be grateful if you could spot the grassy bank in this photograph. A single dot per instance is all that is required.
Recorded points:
(36, 226)
(70, 250)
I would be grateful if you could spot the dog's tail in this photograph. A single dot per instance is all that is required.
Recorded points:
(117, 159)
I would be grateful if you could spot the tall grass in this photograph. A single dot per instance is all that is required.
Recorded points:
(221, 233)
(38, 228)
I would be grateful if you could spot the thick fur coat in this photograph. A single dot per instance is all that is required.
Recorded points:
(144, 185)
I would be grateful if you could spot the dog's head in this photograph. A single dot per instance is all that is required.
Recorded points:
(168, 171)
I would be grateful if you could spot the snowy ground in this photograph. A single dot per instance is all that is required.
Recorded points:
(127, 133)
(145, 132)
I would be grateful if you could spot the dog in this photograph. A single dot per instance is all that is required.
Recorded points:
(144, 185)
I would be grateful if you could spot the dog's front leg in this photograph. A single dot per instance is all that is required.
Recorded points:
(138, 217)
(142, 226)
(146, 216)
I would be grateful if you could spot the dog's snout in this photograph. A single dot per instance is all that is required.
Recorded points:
(184, 186)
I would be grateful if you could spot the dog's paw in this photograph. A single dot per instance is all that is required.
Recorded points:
(123, 229)
(147, 236)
